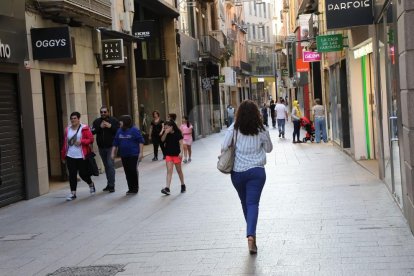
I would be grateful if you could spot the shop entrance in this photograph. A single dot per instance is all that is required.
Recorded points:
(52, 108)
(11, 161)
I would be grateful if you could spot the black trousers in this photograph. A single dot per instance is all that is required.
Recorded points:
(157, 143)
(273, 115)
(76, 165)
(296, 130)
(131, 172)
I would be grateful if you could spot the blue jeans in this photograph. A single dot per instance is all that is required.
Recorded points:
(230, 119)
(249, 185)
(320, 126)
(281, 125)
(105, 154)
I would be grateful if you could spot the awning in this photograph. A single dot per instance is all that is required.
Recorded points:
(114, 34)
(160, 7)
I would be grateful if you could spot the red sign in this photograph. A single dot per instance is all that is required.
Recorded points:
(309, 56)
(302, 66)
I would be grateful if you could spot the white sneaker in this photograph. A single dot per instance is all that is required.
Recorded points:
(70, 197)
(92, 189)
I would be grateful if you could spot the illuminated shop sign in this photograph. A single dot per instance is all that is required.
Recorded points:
(342, 14)
(309, 56)
(51, 43)
(112, 51)
(144, 30)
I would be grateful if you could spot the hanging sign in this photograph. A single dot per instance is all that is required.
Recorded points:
(144, 30)
(329, 43)
(112, 51)
(301, 66)
(51, 43)
(343, 14)
(285, 72)
(309, 56)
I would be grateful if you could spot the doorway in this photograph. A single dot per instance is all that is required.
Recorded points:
(52, 108)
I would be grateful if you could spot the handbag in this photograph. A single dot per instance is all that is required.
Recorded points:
(92, 166)
(225, 161)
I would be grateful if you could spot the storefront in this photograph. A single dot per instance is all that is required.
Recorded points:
(388, 83)
(17, 161)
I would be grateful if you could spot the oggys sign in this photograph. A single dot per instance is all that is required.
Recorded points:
(342, 14)
(51, 43)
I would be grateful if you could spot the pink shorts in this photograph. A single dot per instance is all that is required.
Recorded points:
(188, 141)
(174, 159)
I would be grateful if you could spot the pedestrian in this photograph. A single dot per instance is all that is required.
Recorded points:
(265, 114)
(155, 134)
(130, 143)
(173, 140)
(105, 128)
(273, 113)
(252, 142)
(187, 132)
(172, 117)
(296, 115)
(230, 114)
(281, 116)
(76, 146)
(318, 111)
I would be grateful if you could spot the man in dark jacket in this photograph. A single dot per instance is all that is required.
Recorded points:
(105, 129)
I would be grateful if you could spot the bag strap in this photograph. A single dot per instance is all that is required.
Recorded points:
(76, 132)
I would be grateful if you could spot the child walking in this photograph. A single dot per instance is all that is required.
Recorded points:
(173, 140)
(187, 131)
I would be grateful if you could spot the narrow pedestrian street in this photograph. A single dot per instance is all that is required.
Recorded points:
(321, 214)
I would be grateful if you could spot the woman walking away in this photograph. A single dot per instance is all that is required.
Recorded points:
(173, 147)
(252, 142)
(76, 146)
(296, 115)
(319, 121)
(155, 134)
(130, 143)
(187, 132)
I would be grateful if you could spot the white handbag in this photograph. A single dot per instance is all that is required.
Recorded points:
(225, 161)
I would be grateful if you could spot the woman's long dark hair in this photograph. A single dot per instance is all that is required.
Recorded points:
(248, 119)
(188, 122)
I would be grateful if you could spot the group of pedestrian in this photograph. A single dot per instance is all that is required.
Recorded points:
(279, 114)
(123, 138)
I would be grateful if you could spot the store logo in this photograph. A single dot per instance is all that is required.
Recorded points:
(5, 51)
(349, 5)
(344, 14)
(311, 56)
(51, 43)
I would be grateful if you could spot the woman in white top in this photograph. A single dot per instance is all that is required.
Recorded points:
(252, 142)
(319, 121)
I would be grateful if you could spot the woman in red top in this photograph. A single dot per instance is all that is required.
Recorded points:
(187, 131)
(76, 146)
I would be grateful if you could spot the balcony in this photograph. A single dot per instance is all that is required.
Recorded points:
(220, 37)
(151, 68)
(245, 67)
(210, 47)
(94, 13)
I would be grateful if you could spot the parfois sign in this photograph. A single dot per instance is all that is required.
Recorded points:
(348, 13)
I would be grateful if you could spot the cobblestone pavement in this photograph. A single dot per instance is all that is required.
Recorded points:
(321, 214)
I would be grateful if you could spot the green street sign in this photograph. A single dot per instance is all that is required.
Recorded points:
(285, 72)
(329, 43)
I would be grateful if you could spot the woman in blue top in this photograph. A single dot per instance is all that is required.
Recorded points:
(130, 143)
